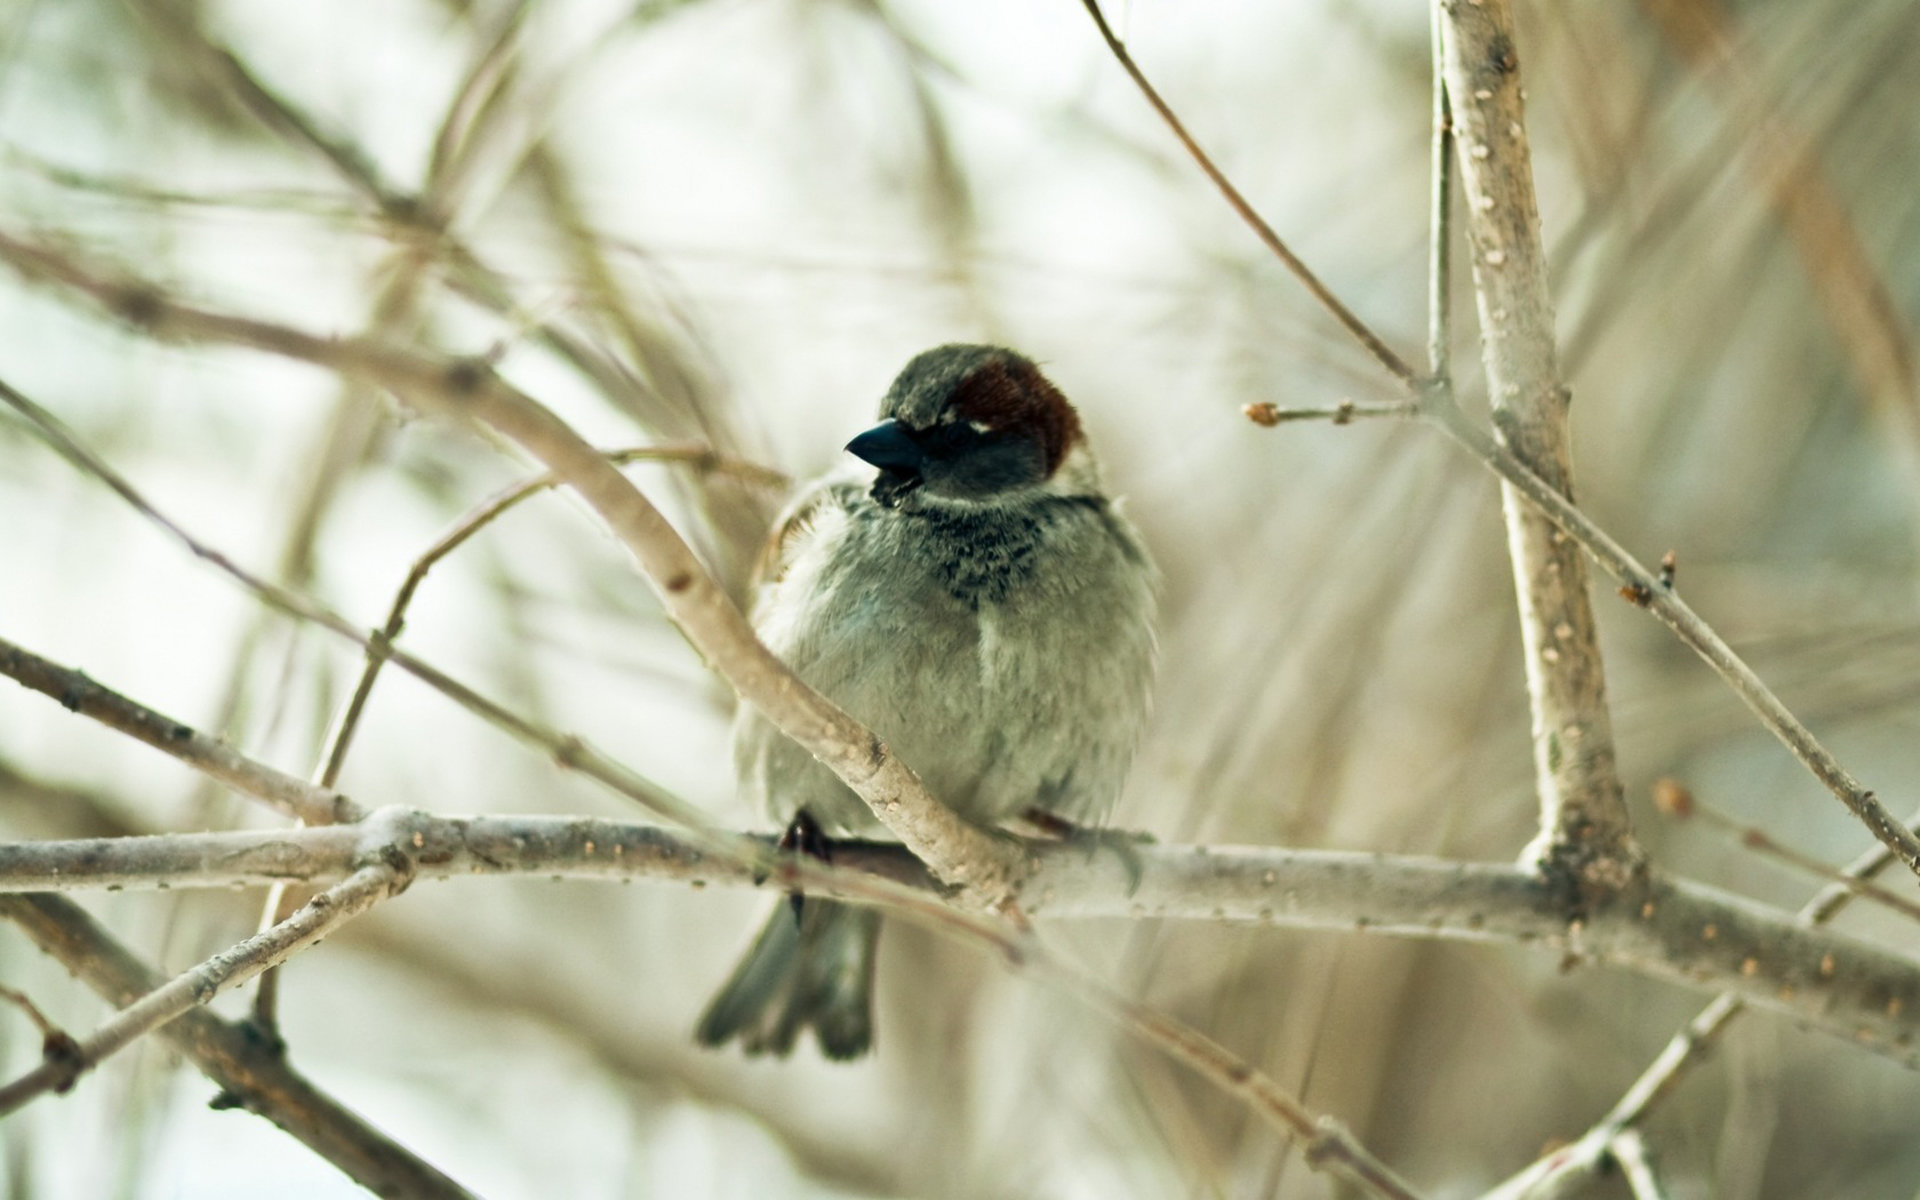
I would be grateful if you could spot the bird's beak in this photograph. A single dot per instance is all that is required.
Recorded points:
(898, 456)
(888, 447)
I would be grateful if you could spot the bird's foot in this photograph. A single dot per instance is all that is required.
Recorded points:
(803, 835)
(1124, 844)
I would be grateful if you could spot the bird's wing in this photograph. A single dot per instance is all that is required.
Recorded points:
(796, 521)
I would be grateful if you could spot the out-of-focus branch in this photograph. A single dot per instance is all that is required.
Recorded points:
(1670, 929)
(251, 1074)
(361, 890)
(1584, 827)
(568, 751)
(985, 866)
(1786, 163)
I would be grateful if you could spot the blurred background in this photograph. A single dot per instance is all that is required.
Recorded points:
(731, 222)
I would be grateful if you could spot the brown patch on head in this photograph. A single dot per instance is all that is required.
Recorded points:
(1010, 395)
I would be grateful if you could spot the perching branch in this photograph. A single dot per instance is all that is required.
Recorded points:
(340, 739)
(1669, 929)
(930, 830)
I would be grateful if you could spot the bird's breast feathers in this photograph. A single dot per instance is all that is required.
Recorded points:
(1003, 651)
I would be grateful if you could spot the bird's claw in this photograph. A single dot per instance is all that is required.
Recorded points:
(1123, 843)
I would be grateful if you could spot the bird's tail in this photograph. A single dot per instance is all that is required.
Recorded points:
(810, 968)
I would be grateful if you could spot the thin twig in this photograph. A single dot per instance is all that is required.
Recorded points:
(1675, 801)
(1636, 1167)
(1643, 588)
(279, 901)
(1344, 413)
(1320, 292)
(1440, 222)
(1638, 583)
(200, 984)
(251, 1075)
(49, 1032)
(77, 692)
(700, 457)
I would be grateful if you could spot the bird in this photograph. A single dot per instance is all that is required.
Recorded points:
(969, 590)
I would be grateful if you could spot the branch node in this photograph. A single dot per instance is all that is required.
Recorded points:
(465, 376)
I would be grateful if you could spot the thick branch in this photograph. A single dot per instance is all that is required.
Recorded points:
(1583, 813)
(251, 1074)
(1669, 929)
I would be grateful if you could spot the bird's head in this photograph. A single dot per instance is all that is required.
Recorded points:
(975, 424)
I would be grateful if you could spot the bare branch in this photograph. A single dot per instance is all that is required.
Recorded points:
(77, 693)
(702, 458)
(1668, 929)
(327, 911)
(1643, 587)
(1636, 1166)
(1435, 398)
(1320, 292)
(1570, 1165)
(1672, 799)
(251, 1074)
(568, 751)
(1344, 413)
(1584, 827)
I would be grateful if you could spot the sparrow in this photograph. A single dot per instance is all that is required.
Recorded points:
(970, 593)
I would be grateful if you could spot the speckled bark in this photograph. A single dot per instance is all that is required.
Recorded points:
(1583, 819)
